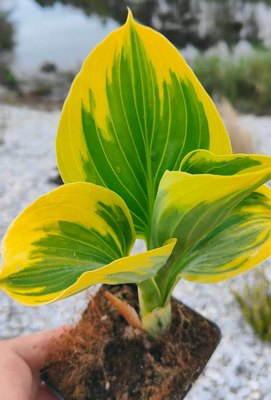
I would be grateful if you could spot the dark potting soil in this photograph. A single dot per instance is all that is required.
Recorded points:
(102, 358)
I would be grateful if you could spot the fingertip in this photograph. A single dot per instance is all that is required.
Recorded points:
(34, 349)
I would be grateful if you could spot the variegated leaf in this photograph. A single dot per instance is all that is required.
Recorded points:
(69, 239)
(193, 207)
(135, 110)
(239, 243)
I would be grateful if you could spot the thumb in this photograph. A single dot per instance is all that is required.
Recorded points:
(34, 349)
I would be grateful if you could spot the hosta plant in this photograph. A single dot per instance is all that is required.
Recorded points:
(143, 154)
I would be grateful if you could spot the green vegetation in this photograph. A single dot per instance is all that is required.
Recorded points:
(255, 304)
(7, 78)
(246, 83)
(6, 32)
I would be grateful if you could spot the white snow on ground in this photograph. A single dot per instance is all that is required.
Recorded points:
(240, 369)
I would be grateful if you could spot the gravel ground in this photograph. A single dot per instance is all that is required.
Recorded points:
(240, 369)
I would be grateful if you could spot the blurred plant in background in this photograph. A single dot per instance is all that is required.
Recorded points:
(255, 304)
(246, 82)
(7, 42)
(6, 32)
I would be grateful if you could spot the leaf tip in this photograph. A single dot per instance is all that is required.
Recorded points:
(130, 18)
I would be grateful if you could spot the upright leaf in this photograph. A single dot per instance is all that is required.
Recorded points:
(70, 239)
(210, 211)
(135, 110)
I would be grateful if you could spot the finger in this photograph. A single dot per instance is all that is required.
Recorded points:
(33, 349)
(15, 377)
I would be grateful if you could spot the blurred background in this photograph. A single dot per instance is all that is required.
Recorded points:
(228, 45)
(43, 43)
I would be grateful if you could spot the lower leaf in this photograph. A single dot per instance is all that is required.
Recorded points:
(73, 237)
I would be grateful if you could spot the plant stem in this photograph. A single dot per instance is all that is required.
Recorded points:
(157, 322)
(149, 296)
(155, 316)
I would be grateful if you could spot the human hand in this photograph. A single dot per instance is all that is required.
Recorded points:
(21, 359)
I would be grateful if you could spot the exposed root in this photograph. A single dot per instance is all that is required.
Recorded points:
(127, 311)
